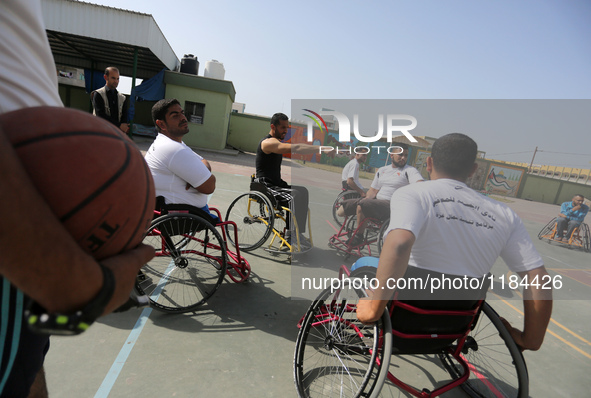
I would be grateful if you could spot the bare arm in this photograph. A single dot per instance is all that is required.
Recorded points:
(273, 145)
(55, 271)
(392, 266)
(351, 183)
(537, 307)
(372, 193)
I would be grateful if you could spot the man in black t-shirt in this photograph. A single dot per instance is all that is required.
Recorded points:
(268, 171)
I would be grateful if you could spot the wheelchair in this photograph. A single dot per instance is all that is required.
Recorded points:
(579, 239)
(191, 258)
(336, 355)
(371, 231)
(345, 194)
(258, 215)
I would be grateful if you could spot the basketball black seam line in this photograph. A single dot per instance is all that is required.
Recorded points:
(100, 189)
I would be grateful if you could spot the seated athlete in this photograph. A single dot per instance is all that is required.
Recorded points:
(350, 174)
(444, 226)
(180, 175)
(571, 216)
(387, 180)
(268, 172)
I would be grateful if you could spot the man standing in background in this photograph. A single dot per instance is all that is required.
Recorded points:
(110, 104)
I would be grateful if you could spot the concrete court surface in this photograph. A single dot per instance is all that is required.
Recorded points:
(241, 343)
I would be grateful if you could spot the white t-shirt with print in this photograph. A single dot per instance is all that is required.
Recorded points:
(173, 165)
(459, 231)
(388, 179)
(351, 170)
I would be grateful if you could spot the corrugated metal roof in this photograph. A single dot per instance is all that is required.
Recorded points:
(86, 35)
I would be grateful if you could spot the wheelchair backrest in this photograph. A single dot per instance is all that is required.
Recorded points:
(262, 188)
(421, 318)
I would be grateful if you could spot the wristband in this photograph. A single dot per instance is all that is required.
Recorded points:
(40, 321)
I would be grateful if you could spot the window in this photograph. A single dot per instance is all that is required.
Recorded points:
(195, 112)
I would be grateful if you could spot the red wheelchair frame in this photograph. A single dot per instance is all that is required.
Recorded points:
(370, 243)
(337, 354)
(191, 259)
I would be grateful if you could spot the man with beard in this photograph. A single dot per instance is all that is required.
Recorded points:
(268, 172)
(110, 104)
(571, 216)
(387, 180)
(180, 175)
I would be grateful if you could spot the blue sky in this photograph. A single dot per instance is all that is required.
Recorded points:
(276, 51)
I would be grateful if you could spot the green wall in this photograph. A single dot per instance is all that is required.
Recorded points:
(548, 190)
(217, 95)
(75, 97)
(246, 131)
(539, 189)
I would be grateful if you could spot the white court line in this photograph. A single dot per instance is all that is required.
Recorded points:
(111, 377)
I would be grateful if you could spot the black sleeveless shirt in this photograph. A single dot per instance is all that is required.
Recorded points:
(268, 166)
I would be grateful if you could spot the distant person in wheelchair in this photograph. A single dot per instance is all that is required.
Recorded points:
(571, 216)
(268, 172)
(181, 176)
(376, 203)
(444, 227)
(350, 174)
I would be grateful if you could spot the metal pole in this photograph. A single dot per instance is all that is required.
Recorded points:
(532, 160)
(135, 54)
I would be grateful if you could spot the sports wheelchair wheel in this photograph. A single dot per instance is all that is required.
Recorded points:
(497, 367)
(344, 195)
(547, 231)
(254, 216)
(189, 265)
(586, 237)
(335, 354)
(383, 229)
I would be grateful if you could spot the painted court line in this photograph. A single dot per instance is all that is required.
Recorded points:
(111, 377)
(554, 334)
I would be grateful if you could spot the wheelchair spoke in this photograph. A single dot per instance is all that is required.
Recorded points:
(189, 265)
(335, 353)
(497, 368)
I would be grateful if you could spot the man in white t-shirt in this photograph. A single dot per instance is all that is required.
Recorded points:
(350, 174)
(446, 227)
(180, 175)
(376, 203)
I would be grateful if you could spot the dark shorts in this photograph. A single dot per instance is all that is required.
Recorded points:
(373, 208)
(31, 351)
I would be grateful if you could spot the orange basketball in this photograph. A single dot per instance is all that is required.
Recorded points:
(91, 174)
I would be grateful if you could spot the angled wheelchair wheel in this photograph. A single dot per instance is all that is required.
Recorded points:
(345, 195)
(335, 354)
(189, 265)
(497, 367)
(548, 231)
(383, 229)
(586, 237)
(254, 216)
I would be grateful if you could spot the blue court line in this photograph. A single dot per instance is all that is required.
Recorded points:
(134, 335)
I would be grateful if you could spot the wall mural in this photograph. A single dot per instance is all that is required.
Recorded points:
(421, 163)
(478, 179)
(503, 180)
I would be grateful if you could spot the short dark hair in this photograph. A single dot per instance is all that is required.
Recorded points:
(579, 195)
(402, 145)
(454, 155)
(109, 69)
(160, 108)
(277, 118)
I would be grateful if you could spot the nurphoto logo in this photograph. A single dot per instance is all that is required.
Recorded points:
(391, 126)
